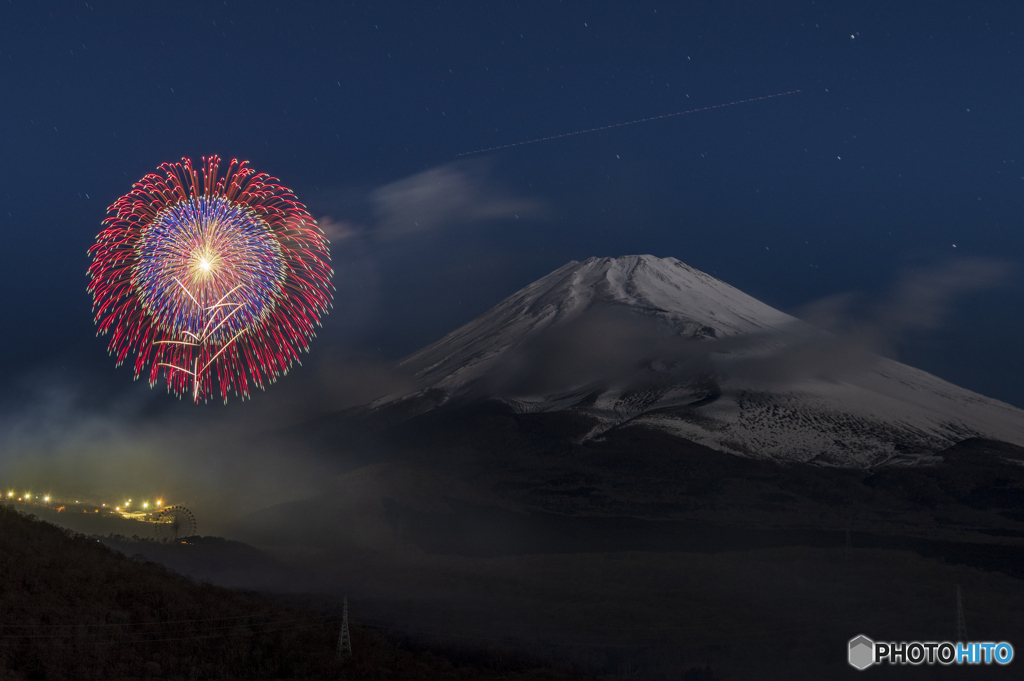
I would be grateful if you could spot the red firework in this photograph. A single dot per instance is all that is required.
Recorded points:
(209, 279)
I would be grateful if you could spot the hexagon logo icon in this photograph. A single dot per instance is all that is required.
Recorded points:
(862, 652)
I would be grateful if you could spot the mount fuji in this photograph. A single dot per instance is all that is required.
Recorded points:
(651, 342)
(640, 426)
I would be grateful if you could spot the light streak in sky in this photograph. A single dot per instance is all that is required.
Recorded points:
(619, 125)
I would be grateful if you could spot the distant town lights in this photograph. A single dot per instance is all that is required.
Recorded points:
(125, 507)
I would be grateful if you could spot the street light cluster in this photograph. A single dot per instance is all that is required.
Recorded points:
(30, 498)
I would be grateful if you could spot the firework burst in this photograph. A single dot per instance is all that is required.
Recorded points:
(214, 282)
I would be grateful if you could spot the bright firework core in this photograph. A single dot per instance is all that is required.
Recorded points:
(210, 281)
(209, 269)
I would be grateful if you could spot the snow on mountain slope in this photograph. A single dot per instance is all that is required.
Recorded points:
(651, 341)
(663, 287)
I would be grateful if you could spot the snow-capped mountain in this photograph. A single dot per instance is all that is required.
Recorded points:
(647, 341)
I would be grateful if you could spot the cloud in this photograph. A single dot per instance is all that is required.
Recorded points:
(859, 333)
(66, 437)
(59, 441)
(337, 231)
(921, 300)
(448, 195)
(924, 298)
(337, 380)
(605, 347)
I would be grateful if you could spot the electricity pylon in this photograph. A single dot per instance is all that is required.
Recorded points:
(344, 642)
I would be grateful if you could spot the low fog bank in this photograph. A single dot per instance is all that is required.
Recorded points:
(63, 438)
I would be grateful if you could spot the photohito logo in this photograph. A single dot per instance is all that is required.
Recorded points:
(863, 652)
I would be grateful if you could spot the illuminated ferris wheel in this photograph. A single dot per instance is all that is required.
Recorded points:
(174, 523)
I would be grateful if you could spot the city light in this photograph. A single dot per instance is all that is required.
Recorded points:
(145, 511)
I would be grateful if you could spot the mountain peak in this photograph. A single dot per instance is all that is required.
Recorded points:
(666, 289)
(617, 339)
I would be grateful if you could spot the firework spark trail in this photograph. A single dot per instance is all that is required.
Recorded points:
(619, 125)
(210, 280)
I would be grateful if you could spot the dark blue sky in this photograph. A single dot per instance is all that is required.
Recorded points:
(905, 140)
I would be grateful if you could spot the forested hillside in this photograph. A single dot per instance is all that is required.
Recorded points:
(71, 608)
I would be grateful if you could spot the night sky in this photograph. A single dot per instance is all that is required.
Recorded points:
(904, 140)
